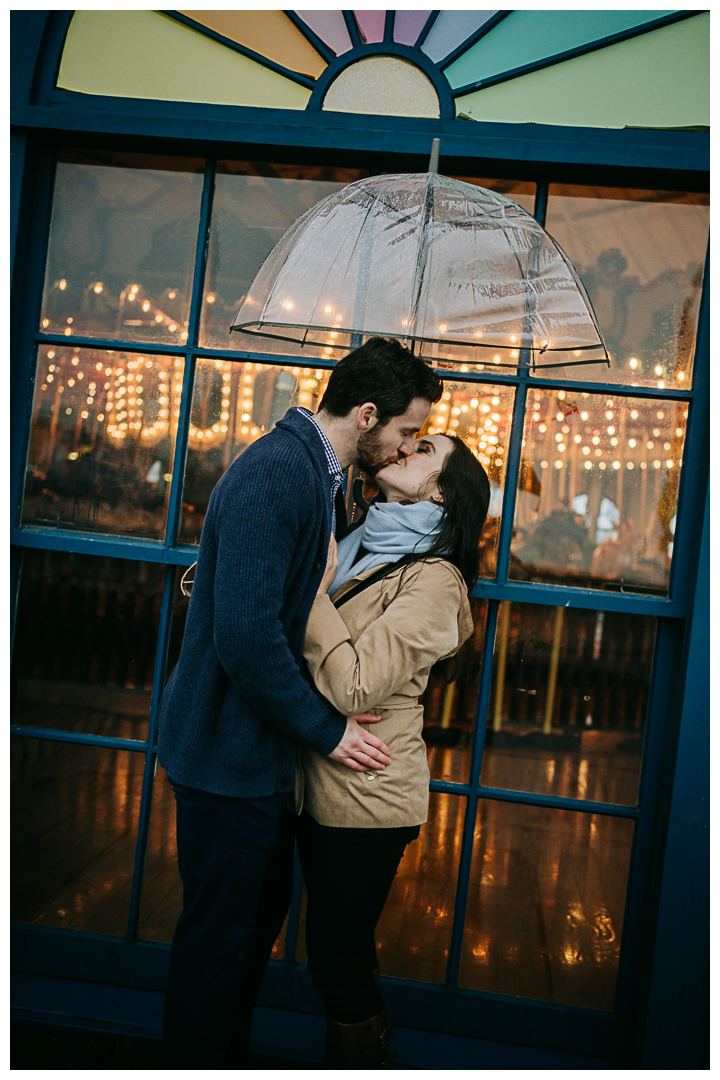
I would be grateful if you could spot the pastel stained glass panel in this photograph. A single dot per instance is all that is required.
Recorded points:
(267, 32)
(408, 25)
(371, 24)
(102, 441)
(146, 54)
(597, 497)
(253, 205)
(123, 238)
(546, 904)
(524, 37)
(330, 27)
(450, 29)
(660, 79)
(640, 255)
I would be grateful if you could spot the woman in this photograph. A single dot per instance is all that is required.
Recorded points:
(375, 631)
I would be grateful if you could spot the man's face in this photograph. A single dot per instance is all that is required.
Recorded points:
(379, 446)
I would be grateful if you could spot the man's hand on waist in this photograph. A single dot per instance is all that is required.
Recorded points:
(358, 749)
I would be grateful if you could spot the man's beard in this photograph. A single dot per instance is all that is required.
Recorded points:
(369, 456)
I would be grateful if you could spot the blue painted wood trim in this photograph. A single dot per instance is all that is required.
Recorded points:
(18, 158)
(389, 28)
(54, 735)
(317, 43)
(512, 470)
(579, 50)
(49, 56)
(541, 202)
(353, 30)
(288, 73)
(675, 1028)
(522, 592)
(490, 377)
(492, 22)
(238, 127)
(109, 960)
(27, 291)
(530, 592)
(471, 802)
(183, 428)
(692, 490)
(382, 48)
(426, 30)
(161, 652)
(27, 27)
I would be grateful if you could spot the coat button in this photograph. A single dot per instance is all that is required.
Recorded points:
(370, 776)
(317, 566)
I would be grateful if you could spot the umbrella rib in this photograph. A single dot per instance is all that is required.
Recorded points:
(420, 264)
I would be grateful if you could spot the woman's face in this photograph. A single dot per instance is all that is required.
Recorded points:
(415, 478)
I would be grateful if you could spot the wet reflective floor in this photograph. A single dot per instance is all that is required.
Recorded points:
(547, 888)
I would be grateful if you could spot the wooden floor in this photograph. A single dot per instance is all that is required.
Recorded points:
(547, 891)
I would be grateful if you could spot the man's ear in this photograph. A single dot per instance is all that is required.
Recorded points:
(366, 416)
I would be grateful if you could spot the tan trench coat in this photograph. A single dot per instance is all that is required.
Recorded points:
(374, 654)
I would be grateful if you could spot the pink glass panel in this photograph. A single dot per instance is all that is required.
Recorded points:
(408, 25)
(371, 24)
(330, 27)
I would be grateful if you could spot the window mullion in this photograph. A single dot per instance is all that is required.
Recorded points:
(466, 851)
(691, 493)
(181, 437)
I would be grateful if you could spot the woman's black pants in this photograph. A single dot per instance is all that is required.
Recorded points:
(348, 874)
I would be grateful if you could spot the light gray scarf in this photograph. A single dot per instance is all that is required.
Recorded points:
(391, 530)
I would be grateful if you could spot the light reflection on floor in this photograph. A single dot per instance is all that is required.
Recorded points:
(547, 887)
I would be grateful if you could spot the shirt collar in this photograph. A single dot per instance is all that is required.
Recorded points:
(332, 461)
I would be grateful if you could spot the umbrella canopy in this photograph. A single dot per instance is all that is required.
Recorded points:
(456, 272)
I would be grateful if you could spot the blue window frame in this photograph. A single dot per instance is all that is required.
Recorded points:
(64, 119)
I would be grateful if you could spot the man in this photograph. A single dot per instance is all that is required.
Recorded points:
(237, 704)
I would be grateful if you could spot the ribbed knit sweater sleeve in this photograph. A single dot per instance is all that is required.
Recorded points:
(258, 522)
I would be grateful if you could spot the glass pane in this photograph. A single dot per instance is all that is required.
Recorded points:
(481, 415)
(546, 904)
(569, 698)
(598, 491)
(233, 405)
(74, 827)
(640, 255)
(450, 705)
(122, 246)
(102, 441)
(413, 934)
(85, 641)
(253, 205)
(520, 191)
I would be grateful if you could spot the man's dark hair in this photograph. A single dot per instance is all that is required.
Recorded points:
(384, 372)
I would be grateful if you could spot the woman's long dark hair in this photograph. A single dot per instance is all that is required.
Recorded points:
(465, 489)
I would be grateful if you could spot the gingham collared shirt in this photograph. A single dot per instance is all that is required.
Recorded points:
(332, 462)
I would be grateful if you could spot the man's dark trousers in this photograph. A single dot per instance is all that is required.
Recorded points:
(235, 857)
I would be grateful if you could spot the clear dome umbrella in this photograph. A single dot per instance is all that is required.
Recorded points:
(456, 272)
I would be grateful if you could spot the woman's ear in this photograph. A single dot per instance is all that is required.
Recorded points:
(437, 498)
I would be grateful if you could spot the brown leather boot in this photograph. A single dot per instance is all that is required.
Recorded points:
(358, 1046)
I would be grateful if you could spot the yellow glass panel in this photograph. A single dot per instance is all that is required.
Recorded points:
(142, 54)
(384, 85)
(269, 33)
(659, 79)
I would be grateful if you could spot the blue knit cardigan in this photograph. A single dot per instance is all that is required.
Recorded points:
(237, 704)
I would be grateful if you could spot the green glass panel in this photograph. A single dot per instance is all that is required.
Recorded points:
(525, 37)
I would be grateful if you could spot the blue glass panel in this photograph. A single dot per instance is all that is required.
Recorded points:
(525, 37)
(451, 29)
